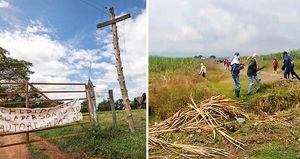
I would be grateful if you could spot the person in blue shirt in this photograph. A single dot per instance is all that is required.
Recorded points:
(236, 66)
(287, 65)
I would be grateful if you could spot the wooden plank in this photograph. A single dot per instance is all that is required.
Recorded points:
(113, 21)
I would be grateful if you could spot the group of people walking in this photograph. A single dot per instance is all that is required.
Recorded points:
(252, 70)
(235, 66)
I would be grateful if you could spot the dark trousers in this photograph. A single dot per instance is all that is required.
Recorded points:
(293, 73)
(287, 73)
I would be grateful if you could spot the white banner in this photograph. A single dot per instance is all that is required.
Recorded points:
(22, 119)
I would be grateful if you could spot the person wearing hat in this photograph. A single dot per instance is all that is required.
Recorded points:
(252, 74)
(287, 65)
(203, 70)
(235, 71)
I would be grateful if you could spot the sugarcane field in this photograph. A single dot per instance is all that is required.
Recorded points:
(194, 116)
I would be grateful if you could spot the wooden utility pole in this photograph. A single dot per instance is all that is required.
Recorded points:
(112, 106)
(121, 78)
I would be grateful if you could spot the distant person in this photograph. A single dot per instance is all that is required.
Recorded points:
(287, 65)
(252, 74)
(275, 65)
(236, 66)
(293, 73)
(227, 64)
(203, 70)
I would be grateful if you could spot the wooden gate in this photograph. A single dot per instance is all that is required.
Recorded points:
(25, 91)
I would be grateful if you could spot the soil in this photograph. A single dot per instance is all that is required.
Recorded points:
(14, 152)
(22, 151)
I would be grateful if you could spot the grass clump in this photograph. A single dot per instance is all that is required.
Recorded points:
(36, 153)
(274, 150)
(277, 96)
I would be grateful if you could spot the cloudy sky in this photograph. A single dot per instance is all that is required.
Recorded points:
(222, 27)
(60, 38)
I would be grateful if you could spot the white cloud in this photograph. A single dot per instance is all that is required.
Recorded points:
(54, 61)
(4, 4)
(132, 41)
(187, 28)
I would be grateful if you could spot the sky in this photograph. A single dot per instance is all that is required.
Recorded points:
(221, 27)
(60, 38)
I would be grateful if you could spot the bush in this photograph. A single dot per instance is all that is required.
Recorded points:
(104, 105)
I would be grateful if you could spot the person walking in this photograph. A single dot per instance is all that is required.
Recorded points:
(287, 65)
(275, 65)
(293, 73)
(252, 74)
(227, 63)
(203, 70)
(236, 66)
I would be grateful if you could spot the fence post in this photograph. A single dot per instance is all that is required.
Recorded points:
(112, 106)
(27, 106)
(92, 103)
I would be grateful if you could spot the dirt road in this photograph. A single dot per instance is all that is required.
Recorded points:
(52, 151)
(14, 152)
(22, 151)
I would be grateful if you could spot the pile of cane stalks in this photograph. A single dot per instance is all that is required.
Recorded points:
(206, 116)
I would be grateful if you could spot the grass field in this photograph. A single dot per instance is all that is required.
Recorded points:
(173, 80)
(106, 142)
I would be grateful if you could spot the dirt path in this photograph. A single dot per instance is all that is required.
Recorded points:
(22, 151)
(52, 151)
(14, 152)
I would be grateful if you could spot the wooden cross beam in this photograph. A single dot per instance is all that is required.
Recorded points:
(113, 21)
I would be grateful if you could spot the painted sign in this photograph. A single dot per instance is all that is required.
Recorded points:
(22, 119)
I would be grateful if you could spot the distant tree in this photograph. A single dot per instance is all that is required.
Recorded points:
(104, 105)
(84, 106)
(13, 70)
(212, 57)
(199, 56)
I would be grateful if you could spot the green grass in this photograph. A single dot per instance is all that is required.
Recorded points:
(275, 151)
(108, 141)
(166, 65)
(36, 153)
